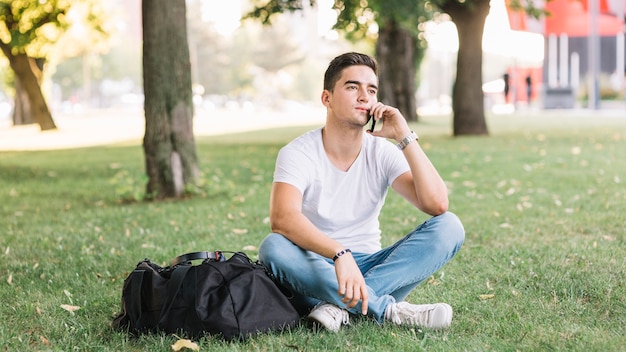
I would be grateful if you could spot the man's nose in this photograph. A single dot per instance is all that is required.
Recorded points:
(363, 95)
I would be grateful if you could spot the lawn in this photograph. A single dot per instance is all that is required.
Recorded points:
(543, 266)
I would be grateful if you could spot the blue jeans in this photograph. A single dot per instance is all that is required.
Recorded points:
(390, 274)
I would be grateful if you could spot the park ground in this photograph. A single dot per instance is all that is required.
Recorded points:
(542, 201)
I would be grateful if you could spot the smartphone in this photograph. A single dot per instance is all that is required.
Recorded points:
(373, 123)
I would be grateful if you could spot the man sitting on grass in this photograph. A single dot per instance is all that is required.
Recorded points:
(329, 187)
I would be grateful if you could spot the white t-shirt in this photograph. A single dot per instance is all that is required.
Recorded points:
(343, 205)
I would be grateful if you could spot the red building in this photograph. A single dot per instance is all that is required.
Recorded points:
(578, 42)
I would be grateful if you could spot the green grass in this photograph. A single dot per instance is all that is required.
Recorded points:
(543, 267)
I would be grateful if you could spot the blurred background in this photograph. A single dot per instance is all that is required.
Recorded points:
(245, 66)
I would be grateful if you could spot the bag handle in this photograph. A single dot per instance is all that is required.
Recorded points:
(217, 256)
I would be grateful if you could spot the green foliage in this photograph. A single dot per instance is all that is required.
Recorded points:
(542, 267)
(266, 9)
(6, 77)
(357, 17)
(91, 28)
(32, 26)
(534, 8)
(44, 30)
(131, 187)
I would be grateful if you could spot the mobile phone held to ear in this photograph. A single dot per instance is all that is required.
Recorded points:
(373, 123)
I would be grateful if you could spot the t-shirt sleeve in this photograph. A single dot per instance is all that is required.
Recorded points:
(394, 163)
(291, 169)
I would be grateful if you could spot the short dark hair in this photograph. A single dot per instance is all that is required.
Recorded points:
(338, 64)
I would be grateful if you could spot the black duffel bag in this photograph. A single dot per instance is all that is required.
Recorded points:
(233, 298)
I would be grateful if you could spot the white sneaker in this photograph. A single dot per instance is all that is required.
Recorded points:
(329, 316)
(436, 316)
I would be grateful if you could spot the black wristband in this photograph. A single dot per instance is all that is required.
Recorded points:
(339, 254)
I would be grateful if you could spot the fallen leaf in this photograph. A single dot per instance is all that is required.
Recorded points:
(184, 343)
(486, 297)
(240, 231)
(44, 341)
(10, 279)
(469, 184)
(250, 248)
(70, 308)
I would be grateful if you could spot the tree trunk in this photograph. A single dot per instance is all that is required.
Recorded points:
(21, 109)
(169, 146)
(27, 72)
(467, 95)
(22, 114)
(396, 56)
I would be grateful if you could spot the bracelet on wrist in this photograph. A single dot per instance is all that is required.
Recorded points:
(340, 253)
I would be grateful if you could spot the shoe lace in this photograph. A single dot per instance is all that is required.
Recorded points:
(338, 314)
(418, 315)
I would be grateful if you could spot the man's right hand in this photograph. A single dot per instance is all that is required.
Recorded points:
(352, 285)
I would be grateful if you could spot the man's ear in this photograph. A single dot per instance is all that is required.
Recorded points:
(325, 97)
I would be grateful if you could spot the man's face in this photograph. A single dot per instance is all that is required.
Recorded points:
(353, 95)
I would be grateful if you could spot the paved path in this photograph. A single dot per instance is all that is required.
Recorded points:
(110, 126)
(101, 127)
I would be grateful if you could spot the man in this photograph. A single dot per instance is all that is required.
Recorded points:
(329, 187)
